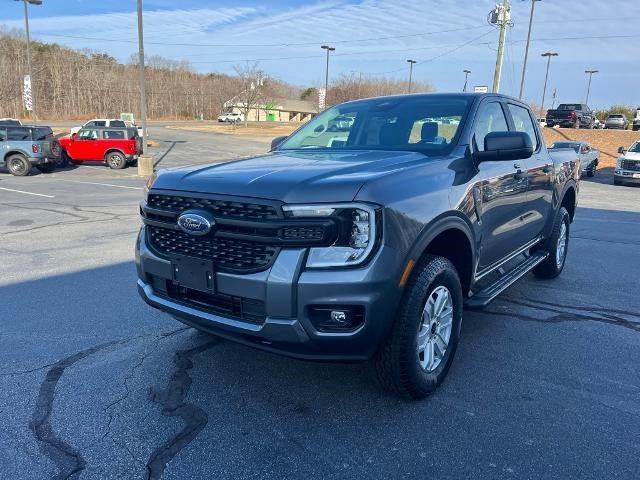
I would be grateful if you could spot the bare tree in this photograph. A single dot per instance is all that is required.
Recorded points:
(252, 80)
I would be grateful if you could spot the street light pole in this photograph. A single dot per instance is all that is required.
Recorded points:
(411, 62)
(26, 25)
(466, 76)
(326, 77)
(590, 72)
(141, 79)
(544, 90)
(526, 50)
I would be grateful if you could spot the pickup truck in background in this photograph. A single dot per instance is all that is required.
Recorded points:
(363, 243)
(571, 115)
(25, 146)
(627, 169)
(117, 147)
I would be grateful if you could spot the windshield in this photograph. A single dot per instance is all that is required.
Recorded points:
(635, 148)
(615, 116)
(424, 124)
(574, 145)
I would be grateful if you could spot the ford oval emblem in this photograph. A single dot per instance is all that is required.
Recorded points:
(195, 223)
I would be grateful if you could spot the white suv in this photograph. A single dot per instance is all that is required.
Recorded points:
(100, 122)
(231, 117)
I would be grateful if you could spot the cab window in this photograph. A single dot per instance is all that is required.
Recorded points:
(18, 134)
(523, 123)
(88, 135)
(114, 134)
(490, 119)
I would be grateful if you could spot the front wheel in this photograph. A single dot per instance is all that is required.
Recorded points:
(557, 246)
(18, 165)
(116, 160)
(592, 171)
(414, 360)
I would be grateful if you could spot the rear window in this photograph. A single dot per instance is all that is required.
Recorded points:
(41, 133)
(3, 134)
(568, 107)
(114, 134)
(616, 116)
(117, 123)
(18, 134)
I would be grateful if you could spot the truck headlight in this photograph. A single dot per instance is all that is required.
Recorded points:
(619, 162)
(357, 233)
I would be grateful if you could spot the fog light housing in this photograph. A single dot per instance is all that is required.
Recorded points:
(336, 318)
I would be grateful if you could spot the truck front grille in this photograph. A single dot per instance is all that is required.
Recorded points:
(226, 254)
(633, 165)
(219, 208)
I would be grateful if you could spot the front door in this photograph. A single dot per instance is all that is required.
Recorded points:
(500, 193)
(85, 145)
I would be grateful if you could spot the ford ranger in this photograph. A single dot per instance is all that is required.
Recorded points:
(366, 243)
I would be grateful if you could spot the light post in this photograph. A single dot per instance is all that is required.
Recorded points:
(141, 80)
(411, 62)
(26, 25)
(544, 90)
(526, 50)
(590, 72)
(326, 77)
(466, 77)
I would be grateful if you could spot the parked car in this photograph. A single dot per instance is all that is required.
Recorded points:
(117, 147)
(597, 123)
(340, 124)
(231, 117)
(368, 248)
(636, 121)
(628, 165)
(616, 120)
(25, 146)
(571, 115)
(589, 156)
(10, 121)
(101, 122)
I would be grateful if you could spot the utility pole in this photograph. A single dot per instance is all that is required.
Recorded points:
(411, 62)
(326, 77)
(544, 90)
(501, 16)
(466, 77)
(526, 50)
(141, 79)
(29, 73)
(590, 72)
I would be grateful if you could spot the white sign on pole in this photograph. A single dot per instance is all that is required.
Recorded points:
(26, 93)
(481, 89)
(322, 95)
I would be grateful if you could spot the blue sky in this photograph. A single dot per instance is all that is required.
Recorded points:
(372, 37)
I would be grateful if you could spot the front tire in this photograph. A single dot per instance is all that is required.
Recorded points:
(18, 165)
(116, 160)
(557, 246)
(414, 360)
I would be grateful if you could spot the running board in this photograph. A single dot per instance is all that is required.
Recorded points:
(482, 298)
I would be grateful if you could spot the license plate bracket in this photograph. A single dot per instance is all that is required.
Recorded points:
(194, 273)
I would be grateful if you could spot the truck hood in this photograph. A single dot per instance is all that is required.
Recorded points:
(632, 156)
(292, 176)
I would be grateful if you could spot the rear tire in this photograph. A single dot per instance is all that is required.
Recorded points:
(18, 165)
(415, 358)
(64, 159)
(116, 160)
(557, 246)
(46, 167)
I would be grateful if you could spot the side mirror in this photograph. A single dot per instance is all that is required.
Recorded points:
(620, 149)
(505, 146)
(73, 136)
(277, 141)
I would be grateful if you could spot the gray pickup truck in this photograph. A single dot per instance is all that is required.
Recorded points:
(25, 146)
(365, 243)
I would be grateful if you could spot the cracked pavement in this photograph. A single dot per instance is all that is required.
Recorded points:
(95, 384)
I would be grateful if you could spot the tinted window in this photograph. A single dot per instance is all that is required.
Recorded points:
(99, 123)
(18, 134)
(3, 134)
(490, 118)
(88, 134)
(114, 134)
(117, 123)
(616, 116)
(426, 124)
(41, 133)
(568, 106)
(523, 123)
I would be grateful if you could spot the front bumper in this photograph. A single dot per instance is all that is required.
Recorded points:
(627, 176)
(287, 290)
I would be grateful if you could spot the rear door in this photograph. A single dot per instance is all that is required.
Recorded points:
(539, 171)
(502, 188)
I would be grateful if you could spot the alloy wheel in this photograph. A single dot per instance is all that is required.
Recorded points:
(435, 328)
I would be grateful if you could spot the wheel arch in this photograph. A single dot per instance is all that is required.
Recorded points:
(451, 236)
(114, 150)
(14, 152)
(569, 199)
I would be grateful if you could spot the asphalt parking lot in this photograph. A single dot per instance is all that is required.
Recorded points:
(95, 384)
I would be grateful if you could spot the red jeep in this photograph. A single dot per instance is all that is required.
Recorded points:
(115, 146)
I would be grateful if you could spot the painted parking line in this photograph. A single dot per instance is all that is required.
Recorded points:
(27, 193)
(102, 184)
(103, 169)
